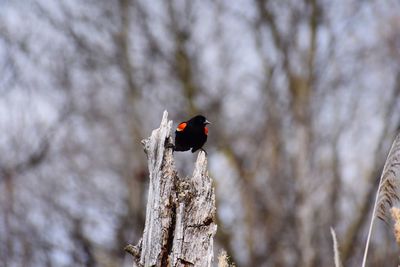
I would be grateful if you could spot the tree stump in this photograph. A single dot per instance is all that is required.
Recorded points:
(180, 214)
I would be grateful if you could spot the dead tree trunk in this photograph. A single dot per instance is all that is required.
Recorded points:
(180, 215)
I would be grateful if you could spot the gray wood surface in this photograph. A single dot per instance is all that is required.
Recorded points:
(180, 214)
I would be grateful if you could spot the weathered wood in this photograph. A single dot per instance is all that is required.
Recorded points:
(180, 215)
(195, 226)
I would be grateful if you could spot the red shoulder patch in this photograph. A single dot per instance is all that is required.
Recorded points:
(206, 130)
(181, 126)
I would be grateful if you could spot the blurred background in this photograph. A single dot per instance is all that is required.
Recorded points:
(303, 96)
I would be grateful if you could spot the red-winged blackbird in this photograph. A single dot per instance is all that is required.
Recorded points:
(191, 134)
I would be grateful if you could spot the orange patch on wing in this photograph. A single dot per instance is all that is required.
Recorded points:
(181, 126)
(206, 130)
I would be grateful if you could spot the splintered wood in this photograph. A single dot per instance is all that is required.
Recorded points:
(180, 215)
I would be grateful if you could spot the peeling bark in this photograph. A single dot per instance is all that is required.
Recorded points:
(180, 215)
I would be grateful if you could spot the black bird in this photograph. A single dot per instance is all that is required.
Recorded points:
(191, 134)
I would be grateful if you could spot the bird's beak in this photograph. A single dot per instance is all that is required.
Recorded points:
(207, 122)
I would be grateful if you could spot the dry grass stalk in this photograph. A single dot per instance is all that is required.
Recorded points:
(336, 254)
(387, 192)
